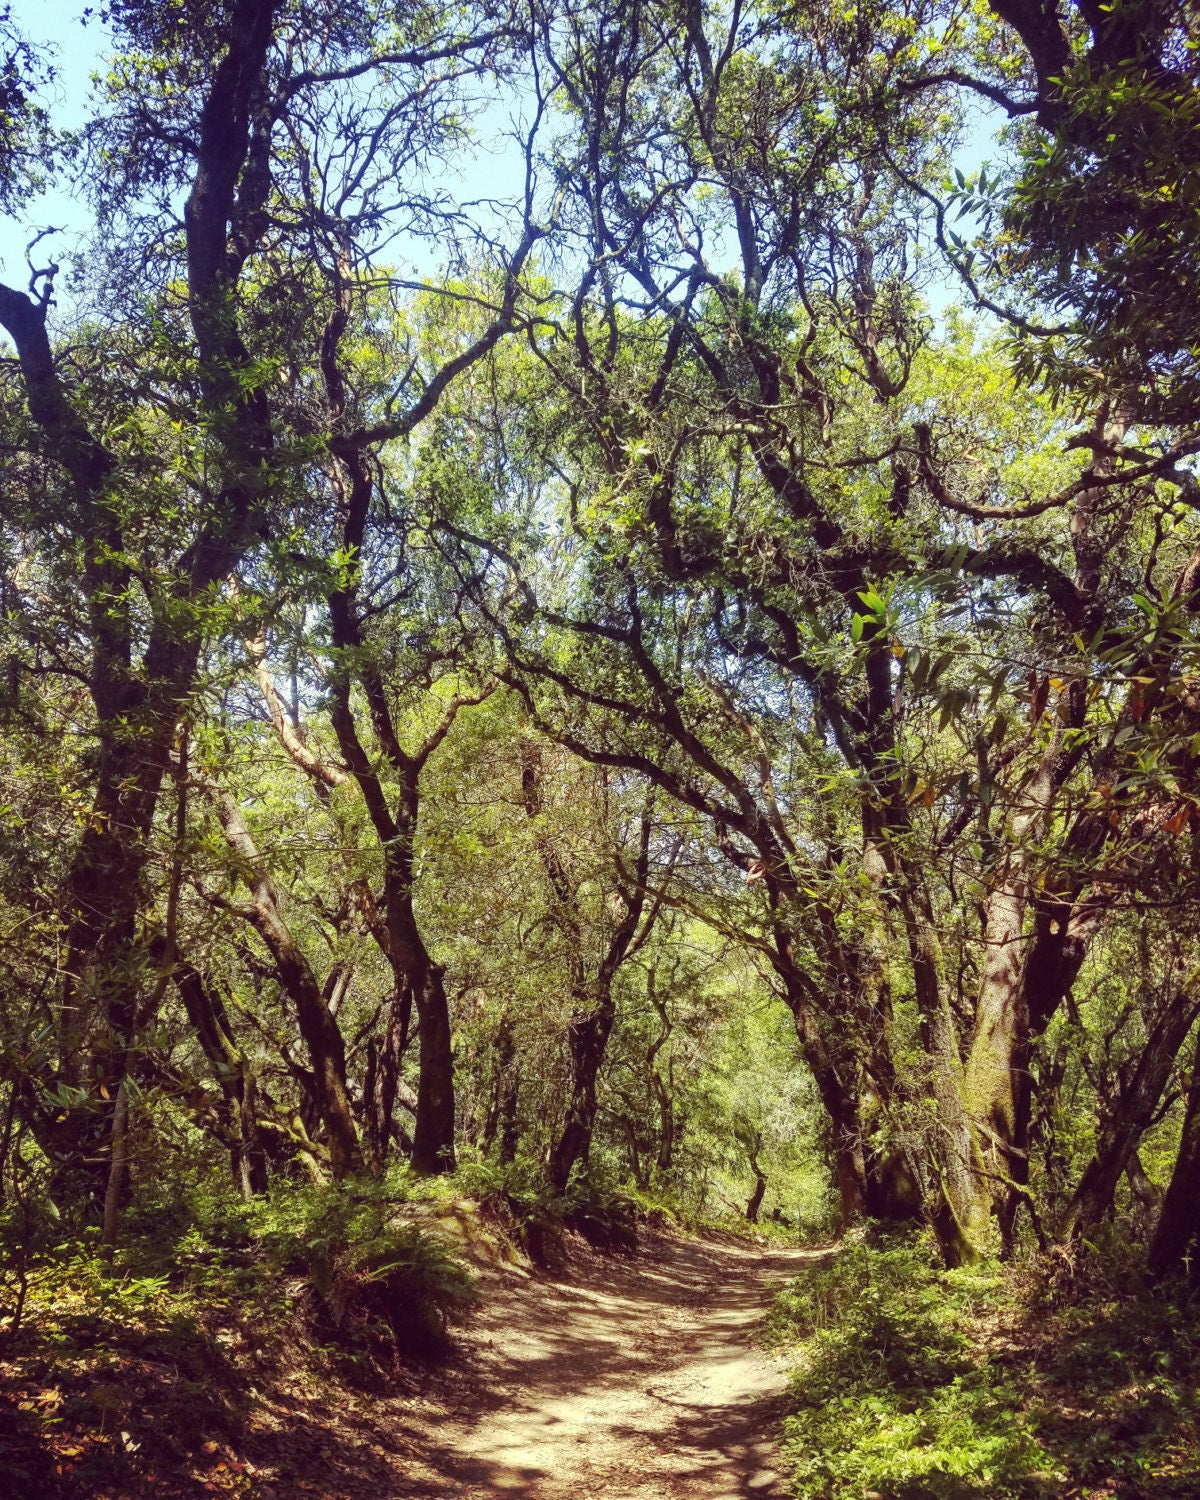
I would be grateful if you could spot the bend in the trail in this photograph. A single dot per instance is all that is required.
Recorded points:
(627, 1378)
(641, 1379)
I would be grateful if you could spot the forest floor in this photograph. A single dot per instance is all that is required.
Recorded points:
(627, 1377)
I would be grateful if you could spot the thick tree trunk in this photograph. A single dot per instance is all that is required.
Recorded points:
(136, 709)
(433, 1135)
(959, 1202)
(587, 1038)
(1023, 983)
(893, 1188)
(1178, 1228)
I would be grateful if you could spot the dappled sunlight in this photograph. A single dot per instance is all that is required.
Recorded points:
(645, 1380)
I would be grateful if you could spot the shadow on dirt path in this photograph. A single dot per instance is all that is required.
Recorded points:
(638, 1378)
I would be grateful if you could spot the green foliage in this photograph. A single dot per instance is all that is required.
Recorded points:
(1103, 216)
(889, 1393)
(380, 1283)
(912, 1381)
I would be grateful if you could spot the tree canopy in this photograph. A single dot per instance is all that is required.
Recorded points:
(680, 677)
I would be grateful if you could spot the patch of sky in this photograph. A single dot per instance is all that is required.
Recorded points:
(486, 179)
(74, 50)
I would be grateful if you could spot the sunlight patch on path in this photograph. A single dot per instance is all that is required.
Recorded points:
(645, 1383)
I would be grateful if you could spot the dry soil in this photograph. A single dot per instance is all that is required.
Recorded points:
(633, 1379)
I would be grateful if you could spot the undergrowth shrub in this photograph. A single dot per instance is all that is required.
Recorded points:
(147, 1362)
(380, 1287)
(1069, 1377)
(890, 1395)
(604, 1215)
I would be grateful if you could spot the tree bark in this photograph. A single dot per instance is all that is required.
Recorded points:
(587, 1039)
(235, 1078)
(835, 1078)
(318, 1026)
(383, 1086)
(754, 1146)
(502, 1117)
(593, 1007)
(137, 708)
(117, 1169)
(1132, 1117)
(1178, 1226)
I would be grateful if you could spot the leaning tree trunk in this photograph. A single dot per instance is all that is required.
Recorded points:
(210, 1021)
(318, 1026)
(754, 1146)
(1131, 1118)
(593, 1005)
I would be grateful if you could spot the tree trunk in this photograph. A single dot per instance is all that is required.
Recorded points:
(835, 1077)
(1147, 1196)
(502, 1115)
(414, 969)
(318, 1025)
(383, 1083)
(1179, 1223)
(636, 1165)
(118, 1166)
(510, 1131)
(433, 1135)
(1133, 1115)
(665, 1160)
(206, 1012)
(959, 1207)
(594, 1009)
(760, 1182)
(587, 1038)
(137, 707)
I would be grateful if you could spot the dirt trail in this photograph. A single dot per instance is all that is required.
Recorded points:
(638, 1379)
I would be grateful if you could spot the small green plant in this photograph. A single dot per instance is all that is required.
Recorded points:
(889, 1393)
(382, 1287)
(988, 1381)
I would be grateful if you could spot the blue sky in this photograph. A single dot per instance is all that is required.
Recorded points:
(76, 51)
